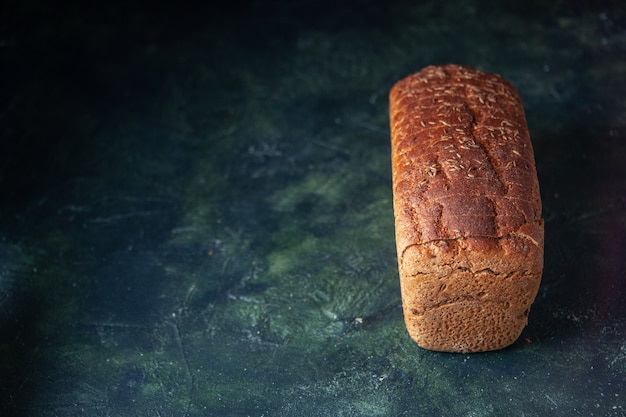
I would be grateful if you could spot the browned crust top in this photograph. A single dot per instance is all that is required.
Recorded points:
(462, 160)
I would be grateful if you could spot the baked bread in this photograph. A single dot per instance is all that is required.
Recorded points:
(467, 208)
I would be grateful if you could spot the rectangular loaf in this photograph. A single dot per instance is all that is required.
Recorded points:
(467, 208)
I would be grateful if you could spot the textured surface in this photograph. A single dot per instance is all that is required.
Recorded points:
(469, 231)
(196, 209)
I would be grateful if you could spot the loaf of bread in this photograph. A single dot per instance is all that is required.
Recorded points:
(467, 208)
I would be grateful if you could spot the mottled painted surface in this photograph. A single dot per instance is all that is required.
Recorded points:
(195, 212)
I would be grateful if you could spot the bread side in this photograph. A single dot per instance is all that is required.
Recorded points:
(467, 208)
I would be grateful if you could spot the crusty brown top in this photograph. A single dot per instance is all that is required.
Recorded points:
(462, 158)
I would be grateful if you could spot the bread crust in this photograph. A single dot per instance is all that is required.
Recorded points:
(467, 208)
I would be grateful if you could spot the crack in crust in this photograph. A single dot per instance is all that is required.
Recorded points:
(489, 157)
